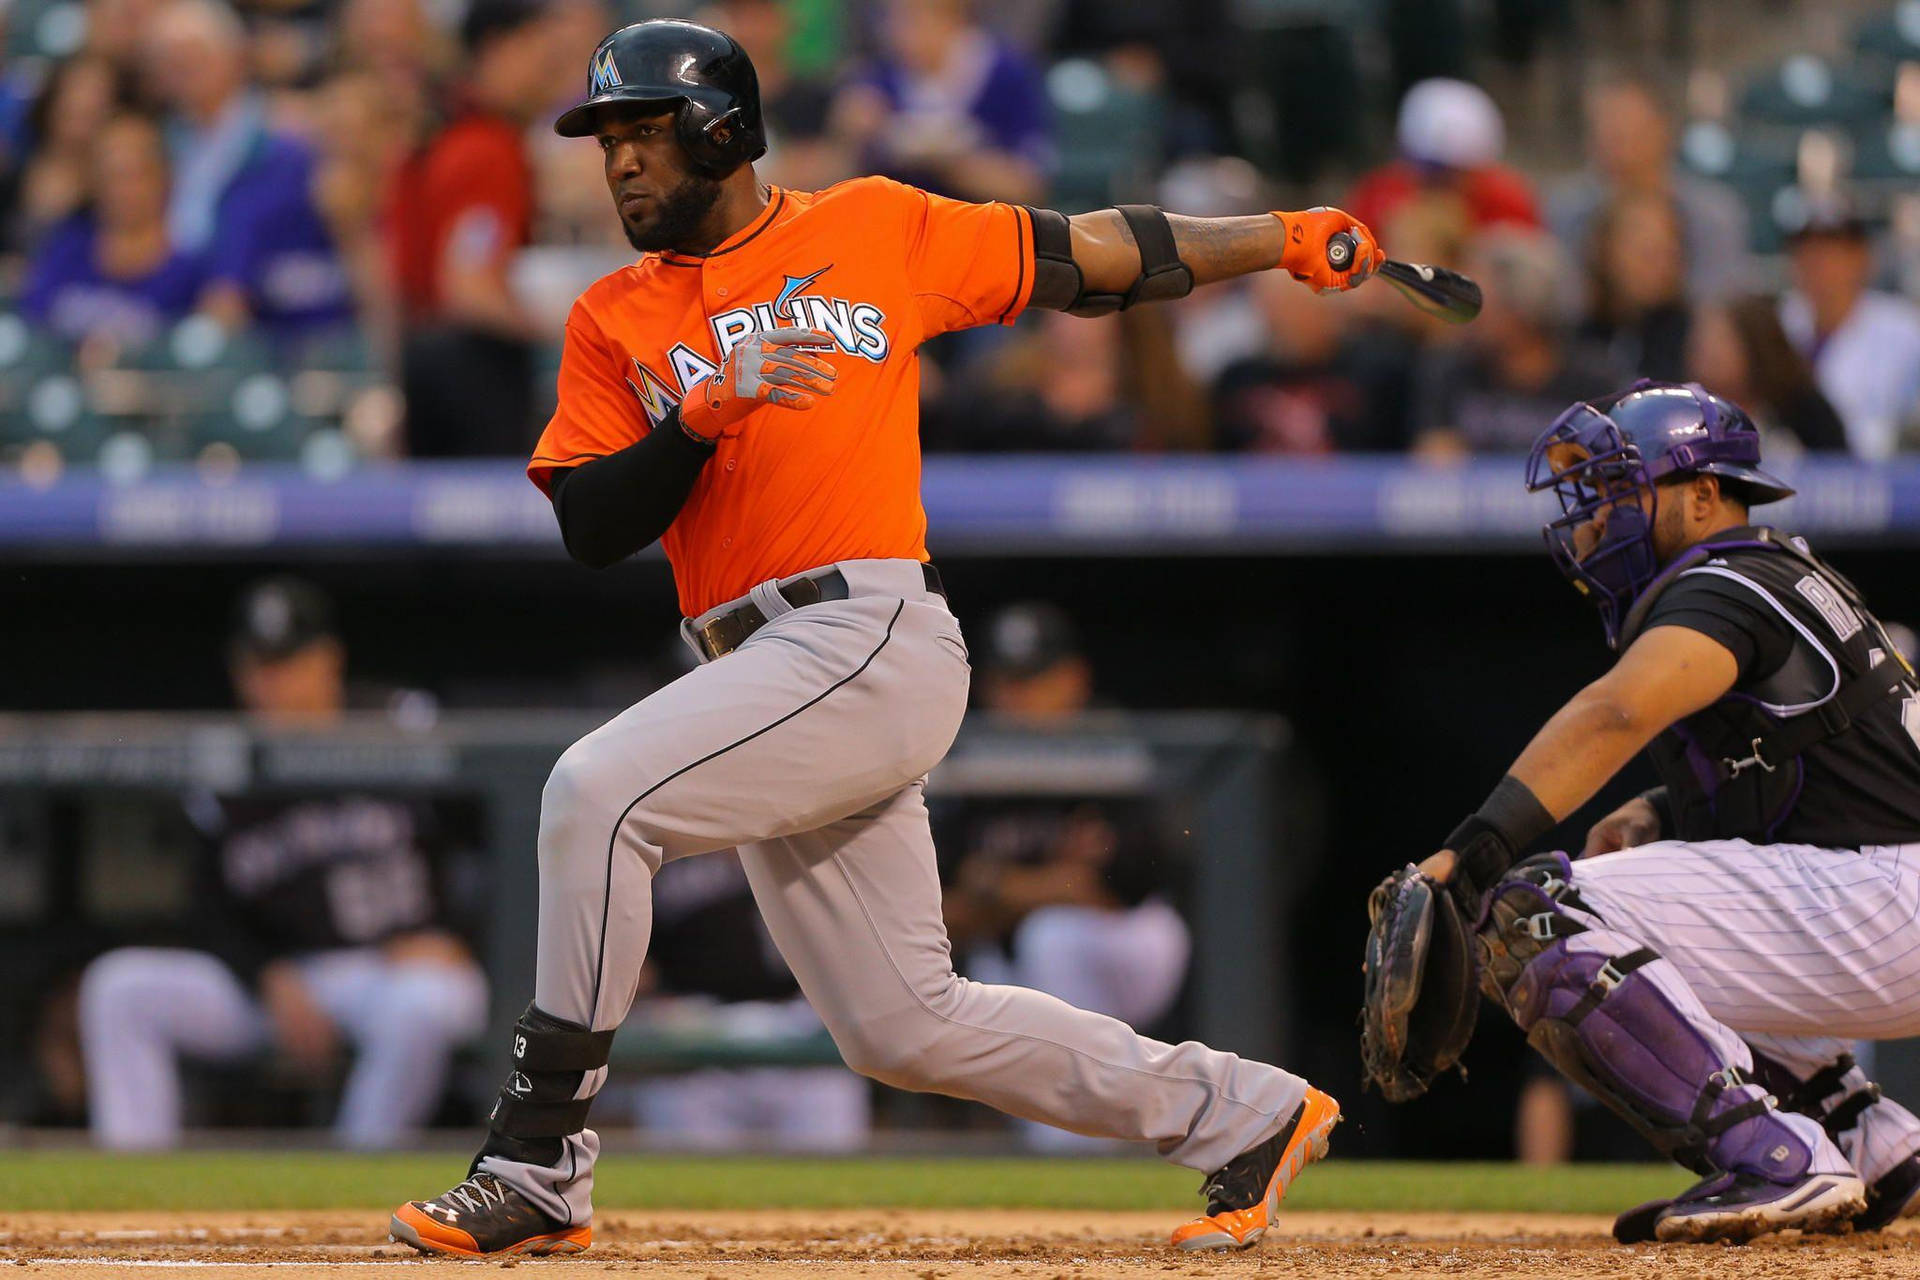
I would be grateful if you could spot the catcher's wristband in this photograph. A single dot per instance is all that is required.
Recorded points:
(1487, 842)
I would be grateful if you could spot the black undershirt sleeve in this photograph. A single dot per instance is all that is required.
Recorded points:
(1759, 639)
(613, 506)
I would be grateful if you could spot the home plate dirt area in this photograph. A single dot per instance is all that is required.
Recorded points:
(960, 1244)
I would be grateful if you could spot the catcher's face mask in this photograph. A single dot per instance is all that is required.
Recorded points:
(1603, 539)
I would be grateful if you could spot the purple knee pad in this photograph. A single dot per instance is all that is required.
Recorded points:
(1607, 1025)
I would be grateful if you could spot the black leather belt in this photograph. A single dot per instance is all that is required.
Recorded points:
(730, 630)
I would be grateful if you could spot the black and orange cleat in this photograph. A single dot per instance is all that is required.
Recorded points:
(1243, 1197)
(483, 1217)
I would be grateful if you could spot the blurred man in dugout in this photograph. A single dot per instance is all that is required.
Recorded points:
(1066, 895)
(317, 926)
(713, 974)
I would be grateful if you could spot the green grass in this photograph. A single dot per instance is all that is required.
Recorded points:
(56, 1180)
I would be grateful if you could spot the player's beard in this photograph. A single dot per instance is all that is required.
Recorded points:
(677, 216)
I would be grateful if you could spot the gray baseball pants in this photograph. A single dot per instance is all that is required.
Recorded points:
(807, 748)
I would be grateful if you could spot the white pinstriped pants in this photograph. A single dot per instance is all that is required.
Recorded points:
(1798, 949)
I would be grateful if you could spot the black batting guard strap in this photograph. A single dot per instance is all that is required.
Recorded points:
(1163, 277)
(1057, 282)
(514, 1118)
(542, 1042)
(1060, 285)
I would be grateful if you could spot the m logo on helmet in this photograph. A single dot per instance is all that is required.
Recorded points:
(605, 72)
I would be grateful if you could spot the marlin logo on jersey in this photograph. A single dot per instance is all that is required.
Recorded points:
(857, 328)
(783, 301)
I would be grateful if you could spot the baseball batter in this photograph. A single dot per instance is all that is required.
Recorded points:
(746, 393)
(1702, 968)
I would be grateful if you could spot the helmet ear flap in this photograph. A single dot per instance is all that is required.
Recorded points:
(717, 144)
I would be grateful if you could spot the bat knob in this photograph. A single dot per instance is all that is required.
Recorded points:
(1341, 246)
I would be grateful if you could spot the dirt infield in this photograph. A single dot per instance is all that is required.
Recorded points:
(942, 1245)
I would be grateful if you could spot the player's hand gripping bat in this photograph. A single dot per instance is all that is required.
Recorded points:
(1435, 290)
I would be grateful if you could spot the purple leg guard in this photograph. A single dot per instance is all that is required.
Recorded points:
(1600, 1007)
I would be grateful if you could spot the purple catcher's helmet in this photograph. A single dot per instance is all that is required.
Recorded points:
(1600, 453)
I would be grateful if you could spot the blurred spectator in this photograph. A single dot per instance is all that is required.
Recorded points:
(1070, 383)
(111, 275)
(122, 31)
(1739, 350)
(1450, 138)
(1630, 151)
(713, 973)
(243, 192)
(1329, 381)
(949, 106)
(406, 55)
(74, 104)
(316, 918)
(360, 144)
(802, 152)
(1070, 897)
(1864, 344)
(460, 210)
(1517, 366)
(1636, 282)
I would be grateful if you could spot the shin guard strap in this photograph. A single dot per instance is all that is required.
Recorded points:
(1611, 975)
(1848, 1113)
(542, 1042)
(515, 1118)
(1711, 1126)
(1812, 1093)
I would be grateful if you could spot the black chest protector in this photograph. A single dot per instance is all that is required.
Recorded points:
(1735, 770)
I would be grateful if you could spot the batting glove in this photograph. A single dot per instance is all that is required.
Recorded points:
(1305, 256)
(765, 367)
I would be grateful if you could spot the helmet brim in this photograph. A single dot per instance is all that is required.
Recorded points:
(580, 121)
(1763, 486)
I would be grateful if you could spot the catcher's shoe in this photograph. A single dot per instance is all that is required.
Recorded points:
(1635, 1226)
(1893, 1195)
(1740, 1206)
(1243, 1197)
(483, 1217)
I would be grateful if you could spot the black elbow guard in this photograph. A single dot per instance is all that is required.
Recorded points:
(1059, 285)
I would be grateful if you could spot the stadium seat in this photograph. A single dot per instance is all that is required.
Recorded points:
(199, 345)
(1107, 135)
(1891, 154)
(1806, 90)
(1893, 35)
(54, 409)
(256, 419)
(48, 29)
(27, 355)
(1756, 163)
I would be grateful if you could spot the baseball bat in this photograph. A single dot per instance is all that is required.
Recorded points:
(1435, 290)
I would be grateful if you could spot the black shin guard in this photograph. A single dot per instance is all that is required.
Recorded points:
(538, 1106)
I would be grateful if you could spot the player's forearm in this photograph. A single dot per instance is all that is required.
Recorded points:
(1213, 249)
(613, 506)
(1580, 749)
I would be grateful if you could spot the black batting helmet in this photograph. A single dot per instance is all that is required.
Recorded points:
(703, 75)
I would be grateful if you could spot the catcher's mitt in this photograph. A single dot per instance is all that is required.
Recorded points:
(1422, 988)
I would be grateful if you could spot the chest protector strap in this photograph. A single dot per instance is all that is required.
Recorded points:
(1779, 747)
(1830, 719)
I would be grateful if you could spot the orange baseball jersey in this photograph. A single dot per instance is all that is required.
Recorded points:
(879, 266)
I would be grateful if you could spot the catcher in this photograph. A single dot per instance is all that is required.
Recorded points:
(1703, 965)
